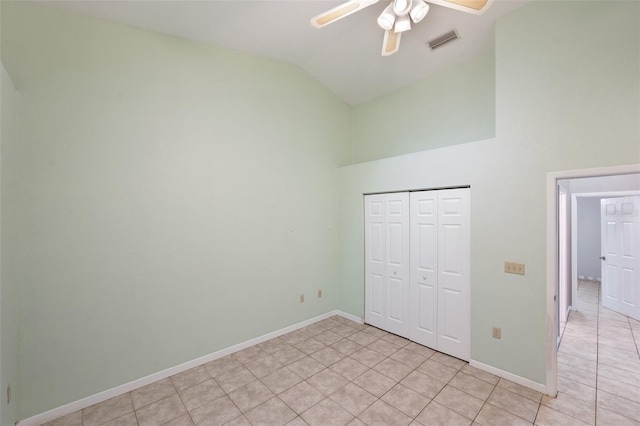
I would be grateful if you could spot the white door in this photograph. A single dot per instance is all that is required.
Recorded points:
(397, 268)
(424, 265)
(387, 262)
(620, 243)
(454, 322)
(375, 260)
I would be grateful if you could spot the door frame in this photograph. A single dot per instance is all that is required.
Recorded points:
(563, 247)
(551, 350)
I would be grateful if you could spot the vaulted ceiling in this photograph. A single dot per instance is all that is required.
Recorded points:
(344, 56)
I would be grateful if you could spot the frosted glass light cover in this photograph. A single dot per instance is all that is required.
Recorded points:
(401, 7)
(419, 11)
(387, 18)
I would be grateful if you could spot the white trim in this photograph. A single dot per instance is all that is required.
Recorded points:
(509, 376)
(563, 217)
(551, 341)
(138, 383)
(353, 318)
(574, 251)
(551, 359)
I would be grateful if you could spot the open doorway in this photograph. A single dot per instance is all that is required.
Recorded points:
(579, 228)
(588, 255)
(563, 294)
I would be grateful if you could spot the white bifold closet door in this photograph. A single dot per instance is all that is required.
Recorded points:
(440, 305)
(431, 305)
(387, 259)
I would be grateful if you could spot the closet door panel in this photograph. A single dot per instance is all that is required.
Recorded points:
(424, 291)
(450, 325)
(452, 248)
(397, 266)
(453, 273)
(375, 260)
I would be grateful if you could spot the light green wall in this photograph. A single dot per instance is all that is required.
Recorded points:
(175, 199)
(188, 194)
(455, 106)
(567, 97)
(8, 299)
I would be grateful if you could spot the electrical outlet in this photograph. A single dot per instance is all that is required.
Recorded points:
(514, 268)
(319, 293)
(496, 332)
(9, 393)
(302, 298)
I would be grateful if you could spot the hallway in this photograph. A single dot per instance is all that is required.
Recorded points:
(598, 365)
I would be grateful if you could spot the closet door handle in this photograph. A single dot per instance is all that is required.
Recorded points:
(603, 258)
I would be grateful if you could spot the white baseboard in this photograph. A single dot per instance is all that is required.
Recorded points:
(136, 384)
(353, 318)
(509, 376)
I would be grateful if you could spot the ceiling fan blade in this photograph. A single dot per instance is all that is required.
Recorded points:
(339, 12)
(477, 7)
(391, 42)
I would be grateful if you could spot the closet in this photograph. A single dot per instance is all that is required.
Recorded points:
(417, 267)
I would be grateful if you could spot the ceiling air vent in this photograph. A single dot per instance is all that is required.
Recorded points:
(443, 39)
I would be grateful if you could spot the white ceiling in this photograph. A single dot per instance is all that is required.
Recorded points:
(344, 56)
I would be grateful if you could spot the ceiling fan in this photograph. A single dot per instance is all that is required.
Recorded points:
(396, 18)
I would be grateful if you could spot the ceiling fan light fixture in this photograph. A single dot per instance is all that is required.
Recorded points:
(401, 7)
(397, 17)
(387, 18)
(419, 11)
(403, 23)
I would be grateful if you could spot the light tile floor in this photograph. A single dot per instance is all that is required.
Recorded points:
(337, 372)
(598, 367)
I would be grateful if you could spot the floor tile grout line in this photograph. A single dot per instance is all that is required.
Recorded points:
(264, 384)
(448, 383)
(445, 385)
(325, 368)
(538, 410)
(373, 368)
(576, 355)
(181, 400)
(485, 402)
(633, 336)
(348, 381)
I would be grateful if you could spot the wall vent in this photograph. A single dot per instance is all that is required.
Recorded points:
(443, 39)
